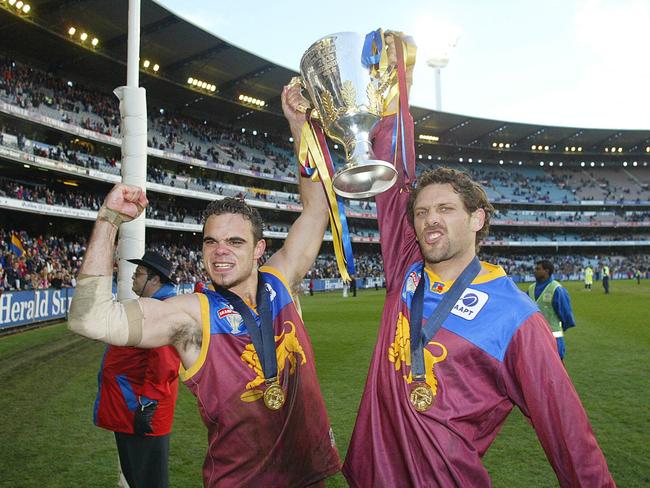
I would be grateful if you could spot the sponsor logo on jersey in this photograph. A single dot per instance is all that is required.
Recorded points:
(229, 310)
(232, 317)
(271, 291)
(470, 304)
(411, 283)
(437, 287)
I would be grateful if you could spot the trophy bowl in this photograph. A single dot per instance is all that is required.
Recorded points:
(349, 98)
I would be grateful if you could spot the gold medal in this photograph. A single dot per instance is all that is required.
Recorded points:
(274, 396)
(421, 396)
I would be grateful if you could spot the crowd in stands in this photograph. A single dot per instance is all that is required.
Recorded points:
(43, 261)
(167, 209)
(564, 236)
(45, 258)
(570, 266)
(269, 154)
(41, 193)
(73, 103)
(47, 261)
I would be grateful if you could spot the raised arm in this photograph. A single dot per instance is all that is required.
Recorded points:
(397, 238)
(305, 237)
(144, 322)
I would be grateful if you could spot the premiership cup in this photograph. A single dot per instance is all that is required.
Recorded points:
(349, 99)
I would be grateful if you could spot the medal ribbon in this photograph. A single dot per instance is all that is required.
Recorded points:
(420, 336)
(401, 47)
(314, 155)
(262, 337)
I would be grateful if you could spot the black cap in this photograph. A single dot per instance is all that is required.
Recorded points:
(157, 263)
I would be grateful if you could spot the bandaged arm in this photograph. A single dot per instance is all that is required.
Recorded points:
(94, 313)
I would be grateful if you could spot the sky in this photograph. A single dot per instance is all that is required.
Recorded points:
(576, 63)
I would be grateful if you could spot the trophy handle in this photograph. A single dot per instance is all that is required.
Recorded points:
(298, 81)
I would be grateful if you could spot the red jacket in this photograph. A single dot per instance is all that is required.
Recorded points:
(127, 373)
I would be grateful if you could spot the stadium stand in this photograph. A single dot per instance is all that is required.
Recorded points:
(60, 152)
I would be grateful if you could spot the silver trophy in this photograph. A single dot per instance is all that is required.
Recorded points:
(349, 99)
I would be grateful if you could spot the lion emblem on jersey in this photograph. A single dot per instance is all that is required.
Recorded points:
(399, 353)
(287, 350)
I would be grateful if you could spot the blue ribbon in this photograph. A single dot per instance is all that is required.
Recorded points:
(372, 46)
(346, 240)
(420, 336)
(262, 337)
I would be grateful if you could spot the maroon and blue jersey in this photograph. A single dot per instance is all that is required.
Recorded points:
(250, 445)
(493, 351)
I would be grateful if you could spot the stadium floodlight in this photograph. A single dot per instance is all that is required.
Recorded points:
(156, 67)
(94, 42)
(146, 63)
(252, 100)
(19, 4)
(436, 42)
(12, 2)
(83, 36)
(71, 31)
(26, 8)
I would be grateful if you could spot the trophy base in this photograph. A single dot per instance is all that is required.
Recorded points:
(364, 180)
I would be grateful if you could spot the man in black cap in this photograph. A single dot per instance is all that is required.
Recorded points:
(138, 389)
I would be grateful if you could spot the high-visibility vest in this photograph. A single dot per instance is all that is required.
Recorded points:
(545, 304)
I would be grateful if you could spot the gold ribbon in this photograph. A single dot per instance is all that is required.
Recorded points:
(311, 155)
(409, 48)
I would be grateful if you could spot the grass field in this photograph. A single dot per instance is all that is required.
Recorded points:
(48, 385)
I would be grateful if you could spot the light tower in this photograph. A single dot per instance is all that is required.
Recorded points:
(437, 57)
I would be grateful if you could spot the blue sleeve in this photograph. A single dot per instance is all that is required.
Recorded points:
(562, 307)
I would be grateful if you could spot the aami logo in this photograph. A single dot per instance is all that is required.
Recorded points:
(470, 304)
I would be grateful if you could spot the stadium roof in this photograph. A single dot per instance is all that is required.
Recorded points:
(184, 50)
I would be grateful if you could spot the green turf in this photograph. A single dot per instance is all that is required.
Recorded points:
(48, 381)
